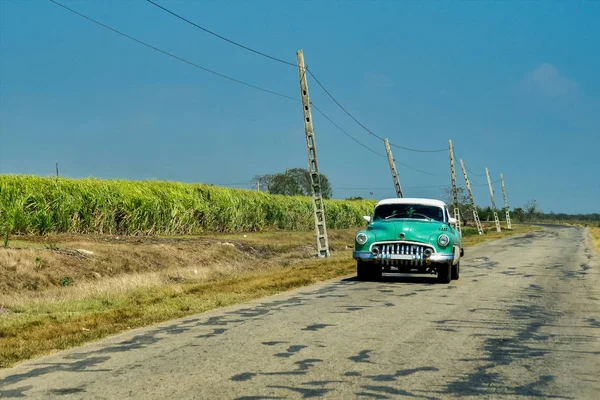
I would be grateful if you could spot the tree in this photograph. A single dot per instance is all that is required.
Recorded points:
(519, 214)
(292, 182)
(464, 203)
(531, 209)
(354, 198)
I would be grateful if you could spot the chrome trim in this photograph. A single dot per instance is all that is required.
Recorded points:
(401, 252)
(441, 257)
(403, 242)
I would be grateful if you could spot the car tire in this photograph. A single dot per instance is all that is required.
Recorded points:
(444, 273)
(368, 271)
(456, 271)
(376, 272)
(362, 271)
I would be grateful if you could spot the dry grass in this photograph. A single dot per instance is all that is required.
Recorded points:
(126, 282)
(596, 238)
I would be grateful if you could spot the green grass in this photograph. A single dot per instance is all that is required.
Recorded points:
(39, 205)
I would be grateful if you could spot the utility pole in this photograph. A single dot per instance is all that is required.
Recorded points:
(493, 202)
(508, 224)
(313, 166)
(397, 186)
(57, 170)
(454, 189)
(473, 205)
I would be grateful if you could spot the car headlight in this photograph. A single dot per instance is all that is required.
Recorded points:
(361, 238)
(443, 240)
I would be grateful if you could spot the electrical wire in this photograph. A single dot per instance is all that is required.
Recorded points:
(417, 150)
(476, 174)
(293, 65)
(340, 106)
(391, 188)
(222, 37)
(208, 70)
(254, 86)
(360, 124)
(174, 56)
(346, 133)
(418, 170)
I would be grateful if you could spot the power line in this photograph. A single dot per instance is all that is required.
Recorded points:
(482, 175)
(208, 70)
(363, 126)
(390, 188)
(340, 106)
(174, 56)
(346, 133)
(221, 37)
(419, 170)
(250, 85)
(293, 65)
(417, 150)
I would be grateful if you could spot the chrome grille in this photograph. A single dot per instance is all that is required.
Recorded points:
(387, 250)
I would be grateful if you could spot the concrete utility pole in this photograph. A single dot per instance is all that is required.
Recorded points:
(313, 166)
(454, 188)
(397, 186)
(473, 205)
(57, 170)
(493, 202)
(508, 224)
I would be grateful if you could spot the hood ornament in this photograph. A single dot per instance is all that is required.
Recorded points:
(401, 235)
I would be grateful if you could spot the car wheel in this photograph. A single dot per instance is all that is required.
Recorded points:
(376, 272)
(444, 273)
(362, 271)
(456, 271)
(368, 271)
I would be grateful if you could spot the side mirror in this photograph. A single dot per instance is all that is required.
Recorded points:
(452, 221)
(367, 218)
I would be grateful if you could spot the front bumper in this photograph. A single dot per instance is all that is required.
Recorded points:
(370, 257)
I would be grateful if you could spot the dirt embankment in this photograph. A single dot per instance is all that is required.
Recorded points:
(36, 264)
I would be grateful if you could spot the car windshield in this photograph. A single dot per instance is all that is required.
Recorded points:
(409, 211)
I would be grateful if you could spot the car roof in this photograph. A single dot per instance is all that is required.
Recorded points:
(425, 202)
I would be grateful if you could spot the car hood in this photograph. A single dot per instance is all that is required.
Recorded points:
(414, 230)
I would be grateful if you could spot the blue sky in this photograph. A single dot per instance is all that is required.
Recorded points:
(515, 85)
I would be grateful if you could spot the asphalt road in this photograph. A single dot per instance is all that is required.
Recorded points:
(523, 321)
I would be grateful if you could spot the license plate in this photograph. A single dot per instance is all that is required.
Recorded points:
(400, 257)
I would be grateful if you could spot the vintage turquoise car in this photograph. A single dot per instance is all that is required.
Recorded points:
(409, 236)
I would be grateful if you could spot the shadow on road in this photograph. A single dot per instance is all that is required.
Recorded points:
(400, 278)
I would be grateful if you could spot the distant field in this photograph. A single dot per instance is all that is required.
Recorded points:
(59, 291)
(38, 205)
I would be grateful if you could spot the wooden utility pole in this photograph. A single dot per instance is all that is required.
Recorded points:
(493, 202)
(508, 224)
(313, 166)
(454, 188)
(473, 205)
(57, 170)
(390, 157)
